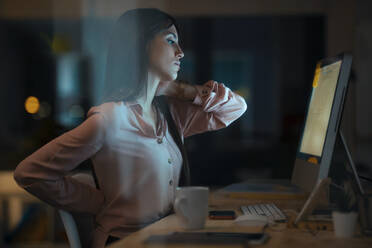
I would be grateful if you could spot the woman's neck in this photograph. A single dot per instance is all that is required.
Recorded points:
(147, 98)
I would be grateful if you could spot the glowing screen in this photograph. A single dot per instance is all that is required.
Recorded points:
(324, 88)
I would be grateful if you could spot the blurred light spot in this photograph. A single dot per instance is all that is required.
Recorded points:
(32, 105)
(76, 111)
(60, 44)
(44, 110)
(313, 160)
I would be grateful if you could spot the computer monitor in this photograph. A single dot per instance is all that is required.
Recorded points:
(322, 121)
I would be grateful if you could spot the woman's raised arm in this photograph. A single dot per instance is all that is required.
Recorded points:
(211, 106)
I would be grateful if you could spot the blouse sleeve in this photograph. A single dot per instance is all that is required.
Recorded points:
(214, 107)
(44, 173)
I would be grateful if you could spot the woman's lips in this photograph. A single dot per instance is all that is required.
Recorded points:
(178, 65)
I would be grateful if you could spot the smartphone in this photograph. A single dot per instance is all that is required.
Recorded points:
(222, 215)
(209, 238)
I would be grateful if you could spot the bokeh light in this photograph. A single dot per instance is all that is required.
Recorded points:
(32, 105)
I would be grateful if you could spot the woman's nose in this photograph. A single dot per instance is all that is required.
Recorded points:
(179, 53)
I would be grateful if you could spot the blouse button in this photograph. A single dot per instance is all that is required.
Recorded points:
(169, 161)
(171, 182)
(159, 140)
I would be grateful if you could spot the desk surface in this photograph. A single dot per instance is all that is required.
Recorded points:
(280, 234)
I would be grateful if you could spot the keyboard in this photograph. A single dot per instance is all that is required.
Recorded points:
(267, 209)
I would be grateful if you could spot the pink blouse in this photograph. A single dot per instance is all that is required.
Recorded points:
(138, 168)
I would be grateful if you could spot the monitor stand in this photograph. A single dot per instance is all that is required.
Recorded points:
(351, 163)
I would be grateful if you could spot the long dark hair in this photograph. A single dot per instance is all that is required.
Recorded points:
(127, 58)
(127, 65)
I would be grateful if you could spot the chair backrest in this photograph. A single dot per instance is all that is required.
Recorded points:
(79, 227)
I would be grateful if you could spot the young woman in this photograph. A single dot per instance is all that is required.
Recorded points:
(135, 138)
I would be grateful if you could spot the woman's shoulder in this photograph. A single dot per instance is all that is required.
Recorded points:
(109, 110)
(112, 112)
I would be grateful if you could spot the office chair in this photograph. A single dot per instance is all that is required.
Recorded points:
(78, 227)
(70, 228)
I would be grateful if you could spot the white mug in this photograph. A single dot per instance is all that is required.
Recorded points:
(191, 206)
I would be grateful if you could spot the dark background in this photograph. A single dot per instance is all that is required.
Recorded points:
(262, 143)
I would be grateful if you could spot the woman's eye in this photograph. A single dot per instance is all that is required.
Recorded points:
(170, 41)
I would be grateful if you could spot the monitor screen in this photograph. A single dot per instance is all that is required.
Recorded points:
(319, 110)
(322, 122)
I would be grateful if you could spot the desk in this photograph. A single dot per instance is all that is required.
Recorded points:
(280, 235)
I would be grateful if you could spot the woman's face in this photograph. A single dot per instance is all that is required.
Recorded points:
(165, 54)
